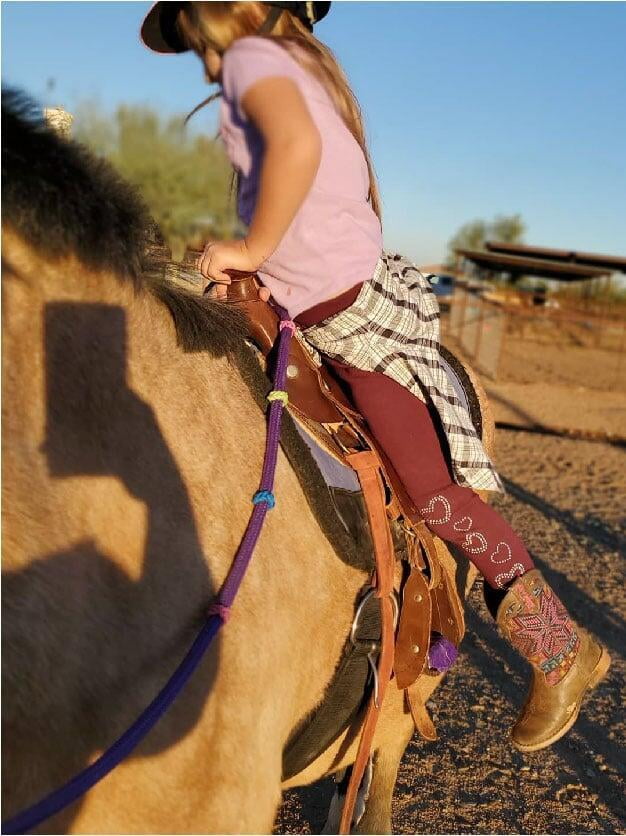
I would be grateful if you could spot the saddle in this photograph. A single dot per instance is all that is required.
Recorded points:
(429, 599)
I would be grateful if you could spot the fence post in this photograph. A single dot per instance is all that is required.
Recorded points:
(479, 327)
(461, 321)
(503, 337)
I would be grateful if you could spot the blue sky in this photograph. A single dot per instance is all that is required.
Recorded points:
(472, 109)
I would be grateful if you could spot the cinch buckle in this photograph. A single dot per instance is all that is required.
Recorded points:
(372, 648)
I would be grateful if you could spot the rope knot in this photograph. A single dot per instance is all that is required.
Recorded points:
(278, 395)
(220, 610)
(264, 496)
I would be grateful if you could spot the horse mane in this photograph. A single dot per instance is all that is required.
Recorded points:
(63, 199)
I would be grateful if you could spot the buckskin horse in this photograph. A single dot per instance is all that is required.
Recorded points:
(132, 442)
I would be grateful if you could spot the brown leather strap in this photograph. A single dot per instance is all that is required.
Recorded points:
(414, 630)
(421, 718)
(427, 543)
(367, 468)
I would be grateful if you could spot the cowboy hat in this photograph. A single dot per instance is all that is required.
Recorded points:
(159, 32)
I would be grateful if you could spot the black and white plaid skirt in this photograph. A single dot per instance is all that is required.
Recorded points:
(393, 327)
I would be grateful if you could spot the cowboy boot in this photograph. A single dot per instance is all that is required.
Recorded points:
(566, 661)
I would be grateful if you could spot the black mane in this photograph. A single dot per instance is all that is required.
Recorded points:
(62, 198)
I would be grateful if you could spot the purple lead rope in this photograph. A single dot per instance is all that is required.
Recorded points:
(264, 498)
(218, 614)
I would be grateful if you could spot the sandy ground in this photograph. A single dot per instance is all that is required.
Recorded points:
(567, 498)
(571, 389)
(526, 361)
(562, 408)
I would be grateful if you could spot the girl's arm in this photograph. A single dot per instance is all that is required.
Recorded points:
(291, 157)
(293, 150)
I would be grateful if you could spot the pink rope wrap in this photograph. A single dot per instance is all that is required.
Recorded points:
(219, 609)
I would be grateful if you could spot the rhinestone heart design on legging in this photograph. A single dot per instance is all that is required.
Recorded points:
(472, 537)
(515, 572)
(482, 547)
(507, 548)
(432, 506)
(464, 524)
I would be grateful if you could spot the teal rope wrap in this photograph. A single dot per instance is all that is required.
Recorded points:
(264, 496)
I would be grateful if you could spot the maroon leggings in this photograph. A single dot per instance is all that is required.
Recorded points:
(410, 433)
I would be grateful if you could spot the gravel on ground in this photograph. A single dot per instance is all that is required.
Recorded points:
(567, 499)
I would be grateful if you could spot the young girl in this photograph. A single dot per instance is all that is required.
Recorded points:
(293, 132)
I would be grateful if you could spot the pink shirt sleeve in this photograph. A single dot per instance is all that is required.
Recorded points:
(251, 59)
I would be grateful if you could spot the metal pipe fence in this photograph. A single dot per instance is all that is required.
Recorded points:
(484, 329)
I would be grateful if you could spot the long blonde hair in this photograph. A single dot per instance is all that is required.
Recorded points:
(216, 25)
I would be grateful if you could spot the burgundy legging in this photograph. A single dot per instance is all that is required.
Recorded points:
(411, 435)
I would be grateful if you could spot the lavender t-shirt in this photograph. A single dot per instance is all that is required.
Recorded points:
(335, 240)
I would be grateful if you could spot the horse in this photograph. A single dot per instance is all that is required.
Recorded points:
(132, 439)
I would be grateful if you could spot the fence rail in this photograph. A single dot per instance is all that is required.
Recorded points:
(479, 327)
(483, 327)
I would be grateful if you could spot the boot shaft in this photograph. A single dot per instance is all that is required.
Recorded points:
(539, 627)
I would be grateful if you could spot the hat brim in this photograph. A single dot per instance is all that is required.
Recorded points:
(158, 30)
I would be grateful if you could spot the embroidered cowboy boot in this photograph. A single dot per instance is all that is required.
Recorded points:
(566, 661)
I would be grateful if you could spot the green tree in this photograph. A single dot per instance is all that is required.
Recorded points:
(509, 229)
(185, 180)
(471, 236)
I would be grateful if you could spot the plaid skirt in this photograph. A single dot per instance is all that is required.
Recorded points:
(393, 327)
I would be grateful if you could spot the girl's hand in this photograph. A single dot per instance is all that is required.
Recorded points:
(219, 256)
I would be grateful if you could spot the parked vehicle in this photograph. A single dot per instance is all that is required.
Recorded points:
(442, 285)
(443, 288)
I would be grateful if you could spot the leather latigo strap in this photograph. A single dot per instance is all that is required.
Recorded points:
(421, 718)
(367, 467)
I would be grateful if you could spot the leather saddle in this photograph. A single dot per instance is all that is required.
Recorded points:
(430, 600)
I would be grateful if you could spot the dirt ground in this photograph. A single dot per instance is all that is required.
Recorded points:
(567, 389)
(566, 409)
(528, 361)
(567, 498)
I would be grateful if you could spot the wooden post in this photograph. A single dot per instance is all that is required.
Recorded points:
(479, 326)
(503, 335)
(621, 352)
(461, 320)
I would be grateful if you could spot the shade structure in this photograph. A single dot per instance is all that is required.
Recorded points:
(525, 265)
(613, 263)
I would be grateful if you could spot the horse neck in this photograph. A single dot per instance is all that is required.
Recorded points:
(122, 469)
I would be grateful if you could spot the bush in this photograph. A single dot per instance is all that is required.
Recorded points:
(184, 179)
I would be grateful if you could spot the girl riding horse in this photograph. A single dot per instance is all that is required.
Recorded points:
(306, 191)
